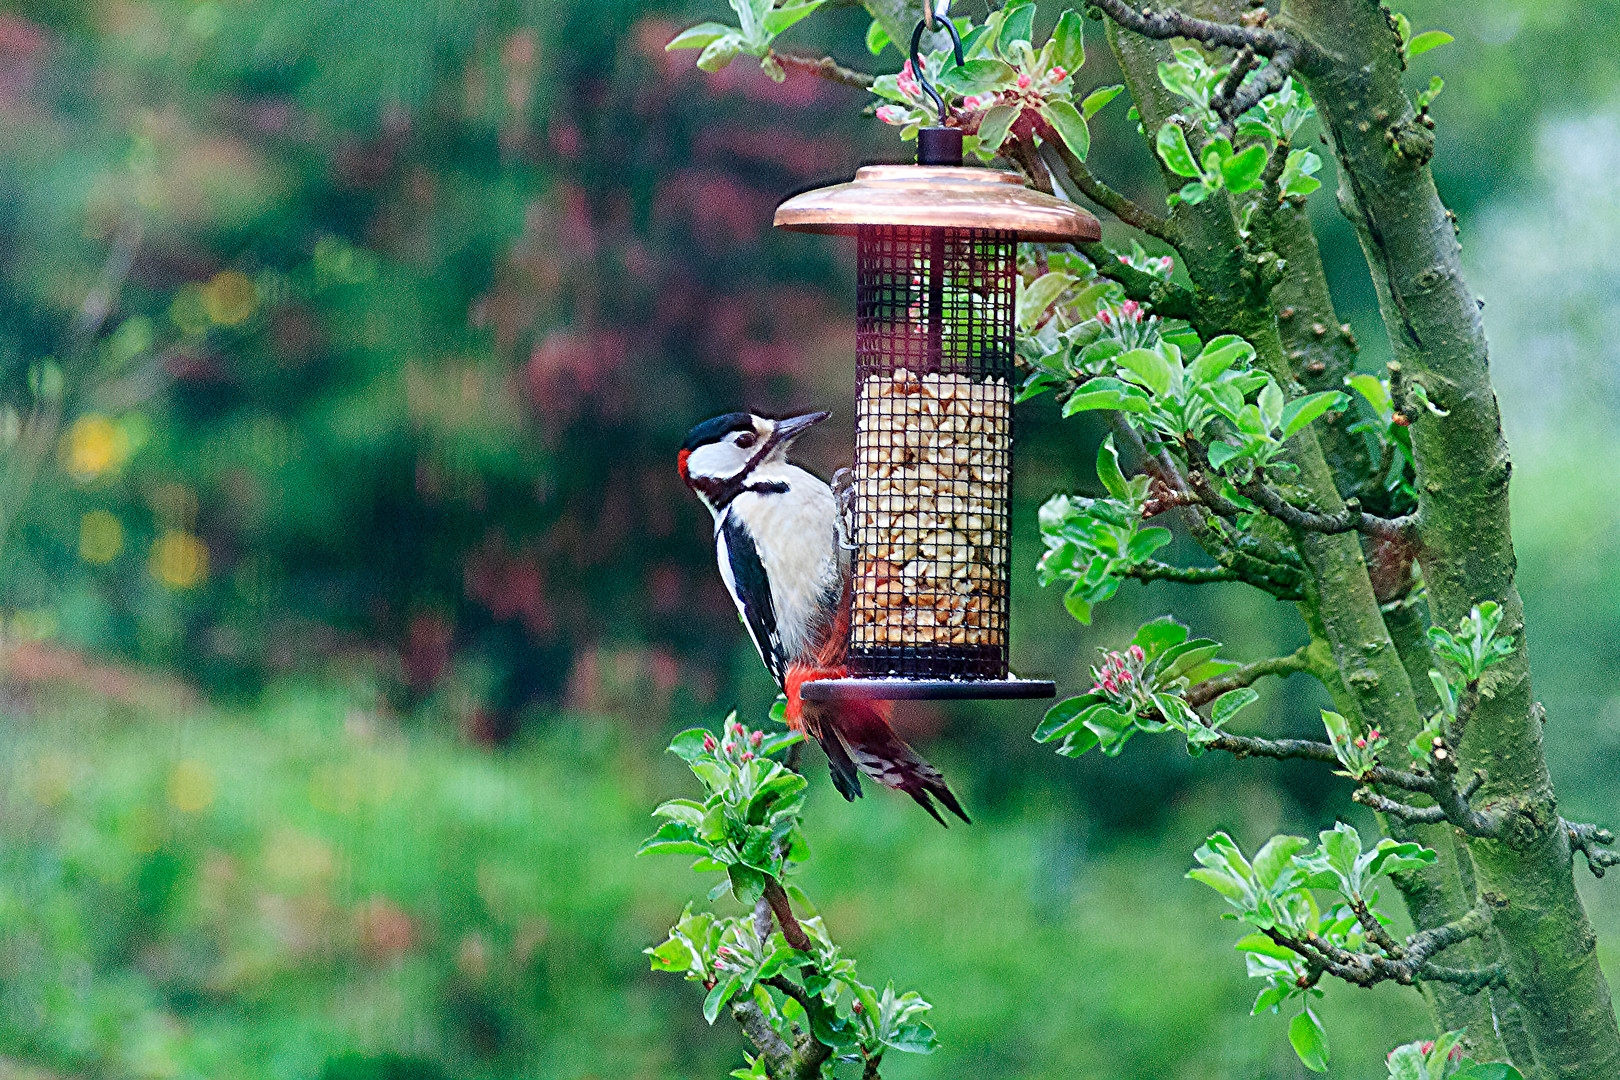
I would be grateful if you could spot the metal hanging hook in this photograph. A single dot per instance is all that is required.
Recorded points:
(919, 69)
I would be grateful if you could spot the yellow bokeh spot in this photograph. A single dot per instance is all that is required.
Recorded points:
(230, 297)
(179, 560)
(101, 537)
(191, 786)
(94, 445)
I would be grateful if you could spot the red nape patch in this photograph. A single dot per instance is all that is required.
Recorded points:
(681, 463)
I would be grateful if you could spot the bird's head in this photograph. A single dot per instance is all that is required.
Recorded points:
(720, 455)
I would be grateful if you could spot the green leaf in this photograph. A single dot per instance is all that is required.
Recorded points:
(1491, 1070)
(720, 52)
(1069, 125)
(877, 38)
(1069, 42)
(698, 37)
(1222, 452)
(674, 838)
(1108, 471)
(1264, 946)
(913, 1038)
(1228, 704)
(1063, 714)
(1040, 294)
(1309, 1040)
(722, 993)
(1223, 883)
(1218, 355)
(1268, 999)
(994, 125)
(1302, 410)
(1147, 541)
(1094, 102)
(1373, 390)
(1241, 172)
(683, 810)
(1194, 193)
(1017, 26)
(1160, 634)
(1150, 367)
(1271, 403)
(1429, 39)
(783, 17)
(1077, 604)
(1171, 142)
(1274, 858)
(688, 745)
(977, 77)
(747, 883)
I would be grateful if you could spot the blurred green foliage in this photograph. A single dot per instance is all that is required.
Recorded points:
(344, 337)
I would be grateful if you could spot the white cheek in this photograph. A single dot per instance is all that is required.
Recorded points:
(719, 459)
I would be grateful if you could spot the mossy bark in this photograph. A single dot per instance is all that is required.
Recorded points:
(1342, 606)
(1464, 541)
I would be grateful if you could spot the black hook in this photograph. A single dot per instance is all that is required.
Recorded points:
(920, 71)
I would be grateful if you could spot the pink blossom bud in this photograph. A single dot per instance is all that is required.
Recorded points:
(1361, 743)
(1136, 653)
(726, 747)
(1131, 310)
(724, 950)
(1125, 678)
(1108, 685)
(892, 114)
(1023, 80)
(1126, 259)
(907, 81)
(737, 729)
(856, 1006)
(1105, 318)
(708, 743)
(1058, 74)
(1167, 263)
(756, 738)
(748, 755)
(1375, 734)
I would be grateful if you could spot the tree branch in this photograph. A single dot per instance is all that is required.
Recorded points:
(779, 1056)
(1170, 23)
(1247, 675)
(1106, 197)
(824, 67)
(1168, 300)
(1350, 519)
(1587, 840)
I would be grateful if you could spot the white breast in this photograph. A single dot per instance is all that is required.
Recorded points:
(795, 533)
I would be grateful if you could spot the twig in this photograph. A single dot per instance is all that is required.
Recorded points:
(1404, 963)
(1106, 197)
(1468, 981)
(1152, 570)
(1350, 519)
(1587, 840)
(824, 67)
(779, 1056)
(1168, 300)
(1247, 675)
(792, 932)
(1270, 79)
(1170, 23)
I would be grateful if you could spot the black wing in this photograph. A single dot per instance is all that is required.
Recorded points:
(752, 591)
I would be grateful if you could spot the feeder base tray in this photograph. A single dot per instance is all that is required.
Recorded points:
(925, 689)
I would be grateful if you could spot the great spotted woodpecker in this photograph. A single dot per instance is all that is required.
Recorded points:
(776, 532)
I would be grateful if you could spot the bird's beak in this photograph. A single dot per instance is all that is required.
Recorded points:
(788, 430)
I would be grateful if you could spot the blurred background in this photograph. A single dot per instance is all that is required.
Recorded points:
(350, 595)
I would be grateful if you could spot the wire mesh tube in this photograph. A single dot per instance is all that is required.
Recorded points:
(934, 361)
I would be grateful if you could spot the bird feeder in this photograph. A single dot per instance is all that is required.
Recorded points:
(936, 278)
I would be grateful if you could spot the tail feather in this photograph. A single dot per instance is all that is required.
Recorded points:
(856, 734)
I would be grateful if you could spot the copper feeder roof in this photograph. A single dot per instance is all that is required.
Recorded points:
(938, 196)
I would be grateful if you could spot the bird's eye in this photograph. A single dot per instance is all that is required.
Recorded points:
(746, 439)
